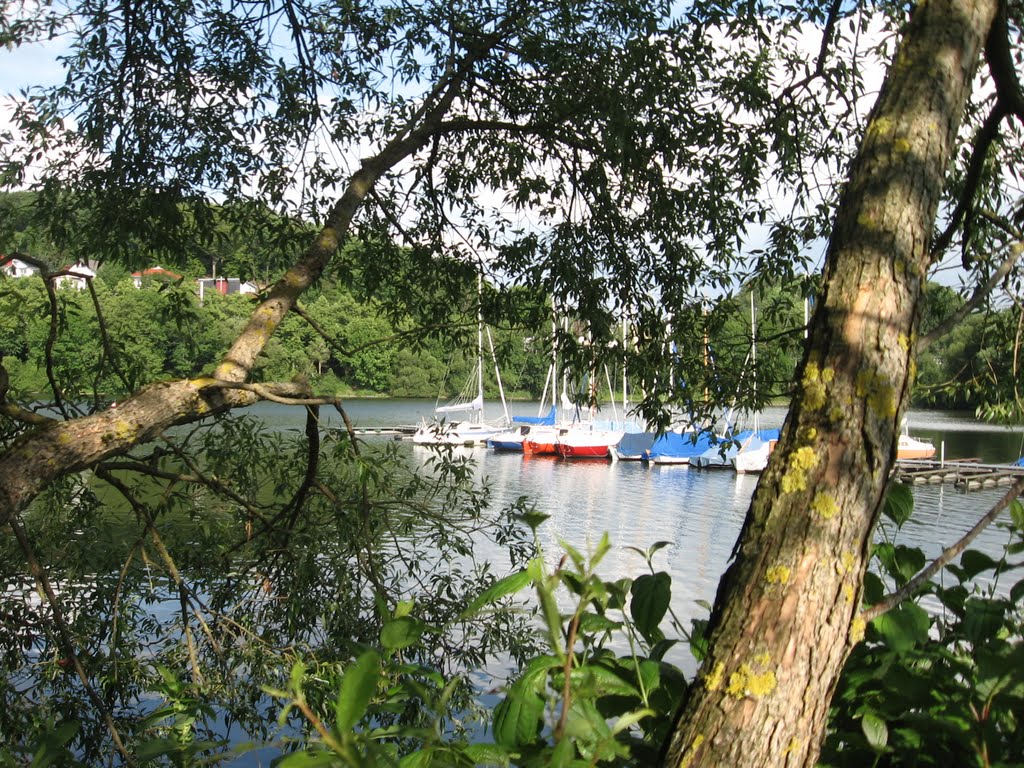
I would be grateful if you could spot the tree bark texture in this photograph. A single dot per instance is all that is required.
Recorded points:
(786, 614)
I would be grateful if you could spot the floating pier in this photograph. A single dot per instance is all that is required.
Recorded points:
(964, 474)
(398, 432)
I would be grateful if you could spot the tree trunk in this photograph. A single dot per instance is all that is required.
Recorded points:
(786, 613)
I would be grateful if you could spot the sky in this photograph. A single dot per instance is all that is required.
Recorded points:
(30, 64)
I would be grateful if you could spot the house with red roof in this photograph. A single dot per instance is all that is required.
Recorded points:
(154, 275)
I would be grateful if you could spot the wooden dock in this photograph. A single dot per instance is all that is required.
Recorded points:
(964, 474)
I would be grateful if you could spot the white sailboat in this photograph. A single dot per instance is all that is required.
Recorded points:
(472, 429)
(753, 452)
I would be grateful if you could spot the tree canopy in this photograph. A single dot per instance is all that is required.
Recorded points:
(627, 161)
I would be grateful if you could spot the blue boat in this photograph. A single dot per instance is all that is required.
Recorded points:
(634, 446)
(680, 446)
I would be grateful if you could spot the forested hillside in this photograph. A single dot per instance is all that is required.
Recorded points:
(380, 347)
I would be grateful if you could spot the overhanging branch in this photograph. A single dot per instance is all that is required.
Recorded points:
(981, 293)
(891, 601)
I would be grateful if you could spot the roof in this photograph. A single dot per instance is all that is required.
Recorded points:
(157, 272)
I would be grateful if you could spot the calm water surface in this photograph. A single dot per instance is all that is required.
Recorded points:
(698, 513)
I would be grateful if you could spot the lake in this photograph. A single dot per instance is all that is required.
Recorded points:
(698, 513)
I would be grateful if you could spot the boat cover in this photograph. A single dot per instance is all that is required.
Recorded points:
(547, 421)
(477, 404)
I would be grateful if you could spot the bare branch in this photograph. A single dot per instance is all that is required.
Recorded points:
(104, 336)
(981, 293)
(891, 601)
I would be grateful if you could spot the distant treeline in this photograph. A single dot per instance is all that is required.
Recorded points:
(378, 346)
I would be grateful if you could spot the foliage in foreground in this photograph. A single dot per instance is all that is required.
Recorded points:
(939, 680)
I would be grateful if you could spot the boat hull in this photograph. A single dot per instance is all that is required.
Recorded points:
(911, 448)
(582, 444)
(541, 441)
(454, 433)
(567, 451)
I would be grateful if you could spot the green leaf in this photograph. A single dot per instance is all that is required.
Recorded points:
(899, 504)
(983, 619)
(563, 755)
(900, 562)
(578, 561)
(649, 553)
(602, 549)
(973, 562)
(596, 681)
(651, 596)
(875, 731)
(698, 639)
(357, 689)
(421, 758)
(552, 617)
(502, 588)
(1017, 592)
(307, 760)
(874, 588)
(534, 675)
(151, 749)
(592, 623)
(53, 745)
(404, 608)
(903, 627)
(632, 718)
(488, 754)
(1017, 514)
(295, 679)
(401, 633)
(533, 519)
(518, 718)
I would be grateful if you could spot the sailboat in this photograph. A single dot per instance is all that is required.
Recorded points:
(908, 447)
(522, 427)
(473, 429)
(680, 446)
(754, 449)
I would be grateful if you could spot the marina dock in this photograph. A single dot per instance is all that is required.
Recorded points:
(964, 474)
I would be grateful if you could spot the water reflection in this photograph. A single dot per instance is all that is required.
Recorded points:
(698, 513)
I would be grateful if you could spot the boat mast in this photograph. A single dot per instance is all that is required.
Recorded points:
(753, 359)
(497, 376)
(480, 341)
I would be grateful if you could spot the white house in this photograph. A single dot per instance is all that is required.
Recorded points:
(75, 276)
(17, 268)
